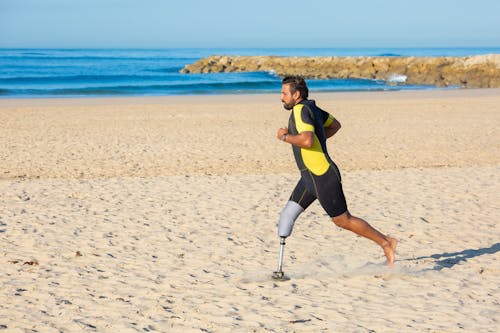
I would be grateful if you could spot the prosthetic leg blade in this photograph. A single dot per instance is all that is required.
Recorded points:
(279, 274)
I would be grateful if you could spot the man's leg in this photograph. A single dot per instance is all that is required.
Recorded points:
(299, 200)
(362, 228)
(288, 216)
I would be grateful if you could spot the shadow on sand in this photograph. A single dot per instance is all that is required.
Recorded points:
(448, 260)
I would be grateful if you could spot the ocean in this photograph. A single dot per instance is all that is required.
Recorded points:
(155, 72)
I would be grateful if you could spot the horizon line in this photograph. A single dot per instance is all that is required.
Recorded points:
(245, 47)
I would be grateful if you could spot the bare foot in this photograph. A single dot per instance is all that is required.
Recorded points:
(390, 250)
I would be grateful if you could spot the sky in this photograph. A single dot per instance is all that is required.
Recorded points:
(252, 24)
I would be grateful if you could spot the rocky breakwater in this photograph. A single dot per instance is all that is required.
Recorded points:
(482, 71)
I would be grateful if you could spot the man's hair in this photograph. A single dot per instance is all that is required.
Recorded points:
(297, 83)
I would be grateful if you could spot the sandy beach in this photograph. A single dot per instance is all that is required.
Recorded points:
(158, 214)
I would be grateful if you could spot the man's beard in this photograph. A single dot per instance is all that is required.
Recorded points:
(288, 106)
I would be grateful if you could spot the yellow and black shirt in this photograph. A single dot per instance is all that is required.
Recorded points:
(306, 116)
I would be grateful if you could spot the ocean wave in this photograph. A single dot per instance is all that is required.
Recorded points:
(389, 55)
(397, 78)
(33, 54)
(165, 70)
(273, 73)
(80, 78)
(185, 88)
(63, 92)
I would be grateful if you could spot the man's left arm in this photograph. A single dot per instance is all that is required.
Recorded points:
(330, 124)
(332, 128)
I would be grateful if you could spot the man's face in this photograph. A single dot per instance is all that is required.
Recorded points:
(287, 98)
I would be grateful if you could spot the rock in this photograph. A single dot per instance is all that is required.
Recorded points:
(472, 72)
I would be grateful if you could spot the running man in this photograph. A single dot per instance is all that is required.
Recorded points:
(307, 131)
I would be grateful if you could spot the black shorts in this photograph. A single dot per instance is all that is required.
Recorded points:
(327, 188)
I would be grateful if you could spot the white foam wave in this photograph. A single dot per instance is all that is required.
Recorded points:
(397, 78)
(272, 72)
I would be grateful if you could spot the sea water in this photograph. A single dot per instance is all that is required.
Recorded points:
(156, 72)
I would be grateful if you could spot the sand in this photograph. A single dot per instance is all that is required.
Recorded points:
(158, 214)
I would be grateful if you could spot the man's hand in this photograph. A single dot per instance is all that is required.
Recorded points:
(281, 132)
(302, 140)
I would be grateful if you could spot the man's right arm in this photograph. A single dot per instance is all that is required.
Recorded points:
(303, 140)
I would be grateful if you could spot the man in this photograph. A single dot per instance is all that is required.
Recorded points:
(307, 131)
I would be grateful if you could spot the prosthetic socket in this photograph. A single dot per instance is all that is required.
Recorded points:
(288, 216)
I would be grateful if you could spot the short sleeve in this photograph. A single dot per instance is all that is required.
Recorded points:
(327, 119)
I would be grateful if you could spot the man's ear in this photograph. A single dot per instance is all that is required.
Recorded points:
(296, 95)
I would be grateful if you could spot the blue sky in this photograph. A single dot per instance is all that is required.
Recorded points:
(257, 23)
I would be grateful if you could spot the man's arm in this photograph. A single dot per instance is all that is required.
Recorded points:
(302, 140)
(333, 128)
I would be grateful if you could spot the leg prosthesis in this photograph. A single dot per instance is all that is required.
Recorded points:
(288, 216)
